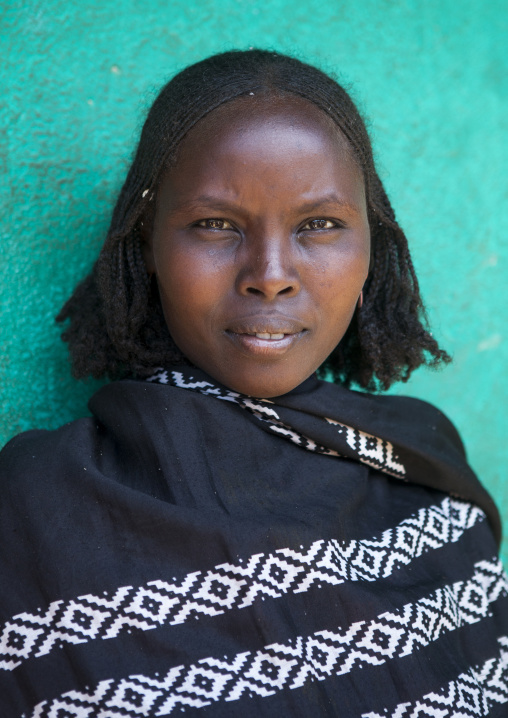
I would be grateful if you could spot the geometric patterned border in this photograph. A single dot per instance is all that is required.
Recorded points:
(365, 448)
(471, 695)
(230, 586)
(393, 634)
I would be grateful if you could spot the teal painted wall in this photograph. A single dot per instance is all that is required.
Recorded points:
(432, 77)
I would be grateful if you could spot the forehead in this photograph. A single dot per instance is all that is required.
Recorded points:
(266, 154)
(263, 122)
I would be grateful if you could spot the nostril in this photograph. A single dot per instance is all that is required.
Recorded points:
(254, 290)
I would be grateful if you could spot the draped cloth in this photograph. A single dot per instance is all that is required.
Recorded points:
(188, 548)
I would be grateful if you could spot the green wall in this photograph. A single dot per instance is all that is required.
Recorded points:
(431, 76)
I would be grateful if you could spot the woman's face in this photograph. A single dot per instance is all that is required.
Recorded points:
(260, 243)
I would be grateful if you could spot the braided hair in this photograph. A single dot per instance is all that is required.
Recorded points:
(117, 327)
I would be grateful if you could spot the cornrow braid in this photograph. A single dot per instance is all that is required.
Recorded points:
(117, 327)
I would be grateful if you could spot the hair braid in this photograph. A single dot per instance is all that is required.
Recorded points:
(117, 326)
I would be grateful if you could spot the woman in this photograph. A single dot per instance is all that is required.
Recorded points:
(228, 533)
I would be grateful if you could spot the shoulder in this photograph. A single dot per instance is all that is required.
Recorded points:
(389, 416)
(422, 414)
(425, 440)
(32, 459)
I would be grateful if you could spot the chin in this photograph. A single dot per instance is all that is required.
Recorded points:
(263, 384)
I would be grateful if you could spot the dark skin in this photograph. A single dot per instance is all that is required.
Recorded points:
(260, 243)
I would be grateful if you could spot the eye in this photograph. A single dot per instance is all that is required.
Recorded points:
(214, 223)
(314, 224)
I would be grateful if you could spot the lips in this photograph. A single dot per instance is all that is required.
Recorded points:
(266, 325)
(266, 337)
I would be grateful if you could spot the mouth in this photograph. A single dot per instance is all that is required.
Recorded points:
(266, 338)
(271, 337)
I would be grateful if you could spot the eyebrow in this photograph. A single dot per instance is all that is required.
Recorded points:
(206, 200)
(329, 199)
(221, 205)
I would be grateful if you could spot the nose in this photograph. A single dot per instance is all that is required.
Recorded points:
(269, 267)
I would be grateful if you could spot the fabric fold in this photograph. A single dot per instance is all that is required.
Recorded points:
(401, 437)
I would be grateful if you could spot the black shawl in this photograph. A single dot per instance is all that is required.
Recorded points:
(323, 553)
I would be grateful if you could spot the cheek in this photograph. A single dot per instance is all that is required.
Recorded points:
(188, 288)
(341, 276)
(337, 291)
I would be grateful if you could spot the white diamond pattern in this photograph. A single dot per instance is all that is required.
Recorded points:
(393, 634)
(228, 586)
(471, 695)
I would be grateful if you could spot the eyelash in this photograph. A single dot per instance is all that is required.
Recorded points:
(333, 224)
(208, 224)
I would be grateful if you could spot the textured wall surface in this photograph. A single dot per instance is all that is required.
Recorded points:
(432, 78)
